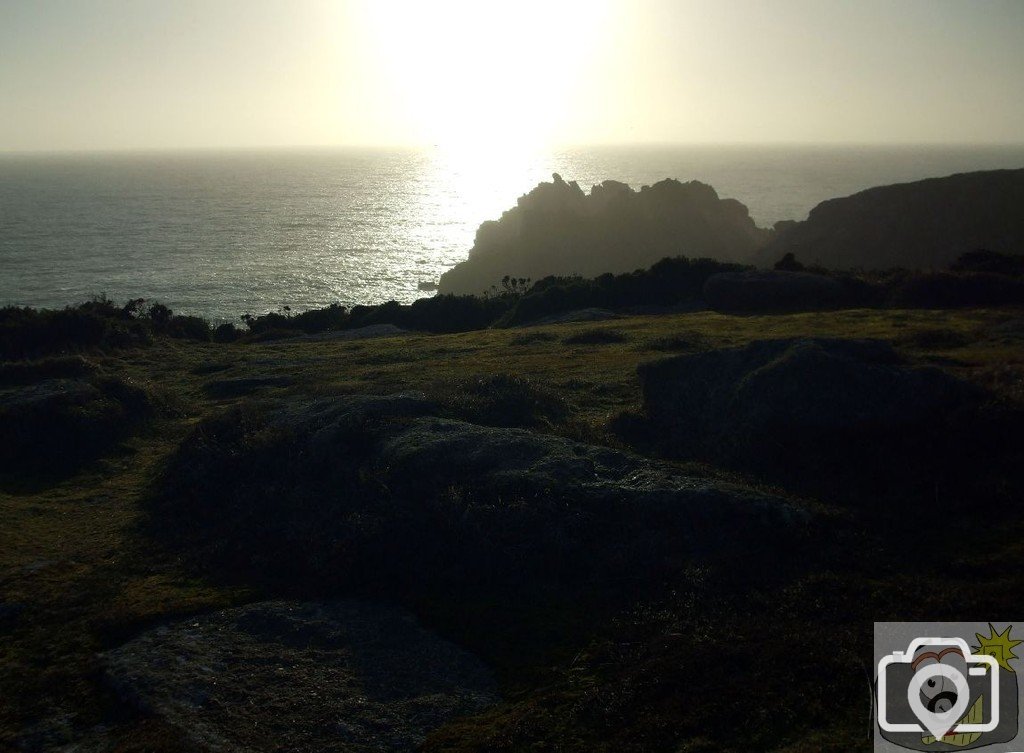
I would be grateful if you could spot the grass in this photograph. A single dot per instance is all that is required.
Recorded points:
(596, 337)
(77, 576)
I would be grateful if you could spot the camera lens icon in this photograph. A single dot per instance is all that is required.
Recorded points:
(938, 712)
(946, 690)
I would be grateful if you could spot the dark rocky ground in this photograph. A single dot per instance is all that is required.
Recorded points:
(505, 540)
(341, 676)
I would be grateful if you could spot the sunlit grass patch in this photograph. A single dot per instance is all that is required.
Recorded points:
(596, 337)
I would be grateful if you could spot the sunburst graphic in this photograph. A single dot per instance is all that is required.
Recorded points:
(997, 645)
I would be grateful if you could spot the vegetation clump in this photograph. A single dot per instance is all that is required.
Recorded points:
(504, 400)
(978, 278)
(66, 416)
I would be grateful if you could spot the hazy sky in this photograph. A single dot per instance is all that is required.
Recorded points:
(112, 74)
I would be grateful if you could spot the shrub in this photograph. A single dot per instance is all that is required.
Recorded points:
(452, 313)
(188, 328)
(264, 322)
(160, 316)
(788, 263)
(504, 400)
(990, 262)
(671, 281)
(30, 333)
(860, 292)
(226, 333)
(955, 290)
(334, 316)
(441, 313)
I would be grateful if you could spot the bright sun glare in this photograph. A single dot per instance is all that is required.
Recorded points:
(475, 76)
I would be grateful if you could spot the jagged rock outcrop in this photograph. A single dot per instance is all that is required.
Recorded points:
(339, 677)
(559, 229)
(926, 224)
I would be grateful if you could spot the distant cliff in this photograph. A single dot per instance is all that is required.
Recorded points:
(559, 229)
(926, 224)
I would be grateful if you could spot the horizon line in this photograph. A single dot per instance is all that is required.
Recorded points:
(207, 149)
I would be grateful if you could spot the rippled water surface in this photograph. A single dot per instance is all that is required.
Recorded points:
(221, 234)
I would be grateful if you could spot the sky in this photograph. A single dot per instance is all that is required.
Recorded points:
(169, 74)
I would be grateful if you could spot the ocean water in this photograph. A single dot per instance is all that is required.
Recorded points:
(222, 234)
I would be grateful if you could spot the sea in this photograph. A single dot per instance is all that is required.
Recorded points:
(225, 233)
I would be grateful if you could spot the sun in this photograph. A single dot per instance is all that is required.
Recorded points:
(998, 645)
(476, 75)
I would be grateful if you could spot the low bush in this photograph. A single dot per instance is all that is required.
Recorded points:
(442, 313)
(671, 281)
(31, 333)
(503, 400)
(226, 333)
(957, 290)
(989, 262)
(272, 320)
(189, 328)
(334, 316)
(453, 313)
(979, 278)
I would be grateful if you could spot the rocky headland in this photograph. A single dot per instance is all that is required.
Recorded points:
(926, 224)
(558, 229)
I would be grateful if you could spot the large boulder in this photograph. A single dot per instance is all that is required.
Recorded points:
(557, 229)
(925, 224)
(364, 489)
(343, 677)
(798, 403)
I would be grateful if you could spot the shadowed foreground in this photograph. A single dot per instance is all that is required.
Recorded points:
(635, 575)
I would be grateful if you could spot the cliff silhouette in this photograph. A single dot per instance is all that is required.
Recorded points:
(926, 224)
(558, 229)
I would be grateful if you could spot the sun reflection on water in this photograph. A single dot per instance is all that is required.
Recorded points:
(464, 185)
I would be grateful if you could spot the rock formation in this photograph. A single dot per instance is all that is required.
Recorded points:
(926, 224)
(416, 497)
(809, 403)
(55, 425)
(341, 677)
(559, 229)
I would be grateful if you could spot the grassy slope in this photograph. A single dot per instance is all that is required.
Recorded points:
(70, 553)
